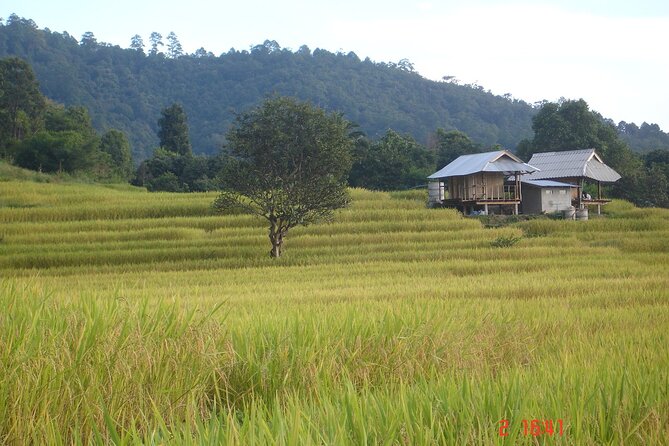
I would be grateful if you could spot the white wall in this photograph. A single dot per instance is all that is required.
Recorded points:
(555, 199)
(545, 199)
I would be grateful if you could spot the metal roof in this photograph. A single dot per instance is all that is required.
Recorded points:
(500, 161)
(546, 183)
(572, 164)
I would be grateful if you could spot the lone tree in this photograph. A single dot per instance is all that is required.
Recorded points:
(289, 162)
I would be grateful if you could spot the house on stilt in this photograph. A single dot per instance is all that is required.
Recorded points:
(480, 182)
(575, 167)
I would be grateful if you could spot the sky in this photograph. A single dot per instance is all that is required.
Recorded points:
(611, 53)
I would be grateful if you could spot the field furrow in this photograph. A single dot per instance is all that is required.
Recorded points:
(147, 318)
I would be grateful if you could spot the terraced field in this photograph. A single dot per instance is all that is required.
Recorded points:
(131, 317)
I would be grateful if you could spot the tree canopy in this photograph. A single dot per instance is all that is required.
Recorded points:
(21, 103)
(172, 167)
(39, 134)
(644, 138)
(115, 144)
(392, 162)
(451, 145)
(571, 125)
(289, 165)
(173, 130)
(127, 88)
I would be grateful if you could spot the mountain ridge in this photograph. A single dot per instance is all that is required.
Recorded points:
(126, 89)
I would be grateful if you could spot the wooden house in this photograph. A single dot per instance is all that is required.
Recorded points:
(575, 167)
(475, 182)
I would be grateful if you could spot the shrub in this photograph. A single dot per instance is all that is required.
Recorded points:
(168, 182)
(505, 241)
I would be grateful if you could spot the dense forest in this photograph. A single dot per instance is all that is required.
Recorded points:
(176, 110)
(644, 138)
(127, 88)
(38, 134)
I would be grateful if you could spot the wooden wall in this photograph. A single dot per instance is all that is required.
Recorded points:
(478, 185)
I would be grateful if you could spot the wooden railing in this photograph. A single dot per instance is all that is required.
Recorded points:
(496, 193)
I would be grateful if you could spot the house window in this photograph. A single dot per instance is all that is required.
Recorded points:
(549, 192)
(563, 192)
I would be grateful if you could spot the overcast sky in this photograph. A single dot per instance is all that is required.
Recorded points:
(611, 53)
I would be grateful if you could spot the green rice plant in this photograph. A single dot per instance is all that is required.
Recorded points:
(149, 321)
(419, 195)
(12, 173)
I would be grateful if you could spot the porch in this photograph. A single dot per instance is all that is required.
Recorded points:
(468, 207)
(480, 191)
(487, 193)
(582, 199)
(582, 202)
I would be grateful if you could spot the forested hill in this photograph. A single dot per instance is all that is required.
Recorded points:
(126, 89)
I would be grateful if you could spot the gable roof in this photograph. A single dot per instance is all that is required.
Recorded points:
(572, 164)
(500, 161)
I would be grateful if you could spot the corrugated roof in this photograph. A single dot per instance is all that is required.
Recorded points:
(546, 183)
(572, 164)
(499, 161)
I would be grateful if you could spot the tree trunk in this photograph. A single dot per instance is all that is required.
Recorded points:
(276, 238)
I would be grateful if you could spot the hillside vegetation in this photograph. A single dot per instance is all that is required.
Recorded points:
(137, 317)
(9, 172)
(125, 89)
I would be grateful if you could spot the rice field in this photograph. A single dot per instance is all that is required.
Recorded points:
(137, 318)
